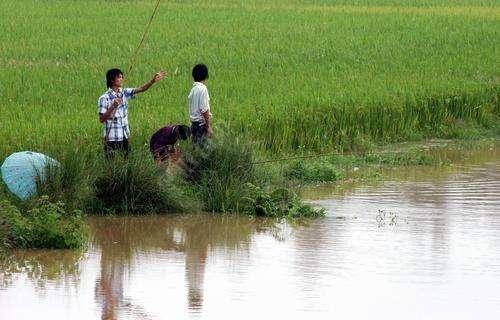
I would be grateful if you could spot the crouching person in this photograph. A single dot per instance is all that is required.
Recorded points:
(164, 143)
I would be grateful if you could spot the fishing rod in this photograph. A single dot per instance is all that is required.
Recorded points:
(143, 38)
(134, 57)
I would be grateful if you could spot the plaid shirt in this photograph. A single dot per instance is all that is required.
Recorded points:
(116, 128)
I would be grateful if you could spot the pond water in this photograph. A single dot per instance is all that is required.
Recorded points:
(422, 244)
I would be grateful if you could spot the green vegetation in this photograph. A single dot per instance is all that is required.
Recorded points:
(342, 168)
(224, 178)
(336, 167)
(136, 185)
(287, 77)
(290, 76)
(220, 178)
(70, 183)
(313, 171)
(281, 202)
(44, 225)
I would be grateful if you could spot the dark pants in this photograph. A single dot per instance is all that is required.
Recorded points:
(199, 134)
(113, 147)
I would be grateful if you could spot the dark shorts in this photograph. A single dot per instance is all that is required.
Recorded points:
(113, 147)
(199, 134)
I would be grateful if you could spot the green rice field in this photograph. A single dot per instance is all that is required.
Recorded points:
(291, 76)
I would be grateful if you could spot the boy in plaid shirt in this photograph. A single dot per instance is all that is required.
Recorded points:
(113, 110)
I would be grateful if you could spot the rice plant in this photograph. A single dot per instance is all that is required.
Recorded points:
(290, 76)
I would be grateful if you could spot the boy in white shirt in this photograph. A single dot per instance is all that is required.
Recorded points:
(199, 107)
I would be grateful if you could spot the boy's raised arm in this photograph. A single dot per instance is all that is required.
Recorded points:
(156, 77)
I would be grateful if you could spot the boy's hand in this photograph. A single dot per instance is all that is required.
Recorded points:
(159, 75)
(116, 102)
(210, 132)
(156, 77)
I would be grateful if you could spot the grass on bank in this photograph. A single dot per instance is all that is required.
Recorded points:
(335, 168)
(224, 177)
(136, 185)
(42, 225)
(370, 163)
(220, 178)
(232, 184)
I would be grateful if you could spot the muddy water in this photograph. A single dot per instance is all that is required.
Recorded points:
(424, 244)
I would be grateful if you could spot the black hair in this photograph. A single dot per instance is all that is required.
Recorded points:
(200, 72)
(183, 131)
(111, 76)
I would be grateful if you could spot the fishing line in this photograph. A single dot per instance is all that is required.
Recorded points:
(297, 157)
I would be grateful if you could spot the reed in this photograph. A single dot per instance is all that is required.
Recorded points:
(136, 185)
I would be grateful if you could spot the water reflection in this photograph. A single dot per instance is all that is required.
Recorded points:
(120, 240)
(59, 267)
(121, 247)
(109, 284)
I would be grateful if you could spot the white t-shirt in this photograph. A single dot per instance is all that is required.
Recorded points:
(199, 102)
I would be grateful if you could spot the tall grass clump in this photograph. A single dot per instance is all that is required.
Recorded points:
(219, 172)
(70, 181)
(223, 176)
(4, 228)
(136, 185)
(43, 224)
